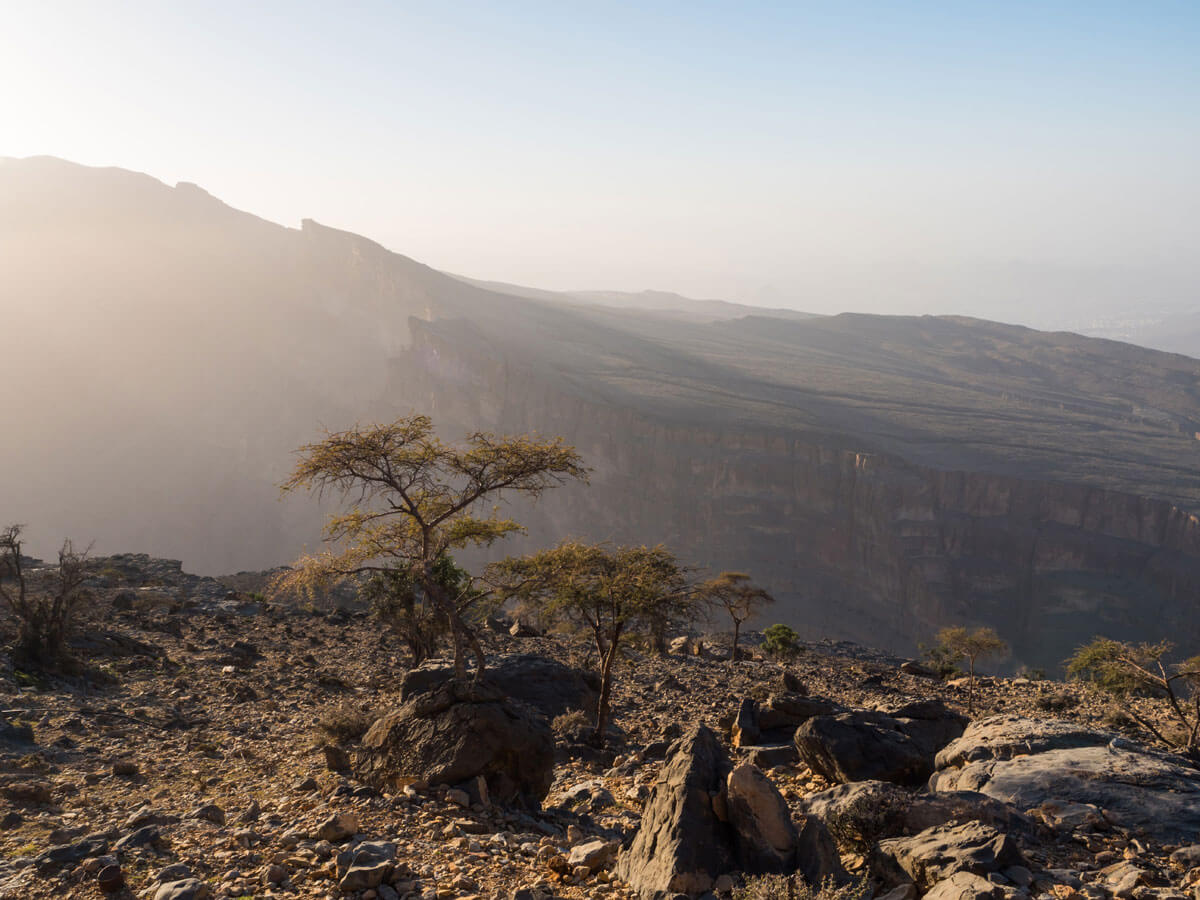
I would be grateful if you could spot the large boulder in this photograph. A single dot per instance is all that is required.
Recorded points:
(682, 845)
(764, 835)
(781, 714)
(1035, 763)
(545, 684)
(861, 746)
(456, 732)
(939, 852)
(930, 723)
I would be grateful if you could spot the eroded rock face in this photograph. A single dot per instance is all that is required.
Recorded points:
(682, 845)
(459, 731)
(1030, 762)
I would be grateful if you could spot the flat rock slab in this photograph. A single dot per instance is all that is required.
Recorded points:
(1029, 763)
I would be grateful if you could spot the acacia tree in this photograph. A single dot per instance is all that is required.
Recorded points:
(957, 643)
(609, 592)
(739, 596)
(44, 603)
(1124, 669)
(411, 499)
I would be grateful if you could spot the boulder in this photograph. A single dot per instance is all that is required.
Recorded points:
(337, 828)
(682, 845)
(706, 819)
(767, 756)
(593, 855)
(545, 684)
(745, 724)
(964, 886)
(880, 809)
(458, 731)
(938, 853)
(782, 714)
(365, 865)
(765, 837)
(187, 889)
(1059, 765)
(929, 723)
(860, 746)
(768, 841)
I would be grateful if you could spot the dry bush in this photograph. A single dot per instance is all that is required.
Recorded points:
(345, 722)
(794, 887)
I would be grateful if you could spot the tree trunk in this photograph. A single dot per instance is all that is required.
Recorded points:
(603, 707)
(737, 627)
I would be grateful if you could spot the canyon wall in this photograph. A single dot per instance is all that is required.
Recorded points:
(856, 545)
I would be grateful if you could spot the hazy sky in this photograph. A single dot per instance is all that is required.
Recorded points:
(880, 156)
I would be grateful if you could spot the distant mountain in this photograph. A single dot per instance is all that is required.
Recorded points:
(882, 475)
(662, 303)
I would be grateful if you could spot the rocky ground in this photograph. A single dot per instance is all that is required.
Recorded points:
(189, 760)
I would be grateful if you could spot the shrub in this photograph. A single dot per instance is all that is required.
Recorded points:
(345, 722)
(570, 724)
(1124, 670)
(794, 887)
(45, 600)
(780, 641)
(957, 643)
(859, 825)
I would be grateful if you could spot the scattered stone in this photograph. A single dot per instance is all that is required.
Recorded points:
(338, 827)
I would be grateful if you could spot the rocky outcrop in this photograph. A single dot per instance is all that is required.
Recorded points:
(458, 732)
(682, 844)
(866, 745)
(705, 819)
(1031, 763)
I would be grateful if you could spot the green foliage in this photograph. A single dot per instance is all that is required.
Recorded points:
(739, 597)
(958, 643)
(780, 641)
(609, 592)
(794, 887)
(943, 661)
(398, 601)
(1123, 670)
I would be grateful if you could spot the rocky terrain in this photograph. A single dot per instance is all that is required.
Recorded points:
(216, 745)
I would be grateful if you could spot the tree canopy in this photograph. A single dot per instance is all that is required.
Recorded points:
(410, 499)
(740, 598)
(608, 592)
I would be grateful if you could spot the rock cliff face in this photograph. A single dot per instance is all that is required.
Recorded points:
(858, 545)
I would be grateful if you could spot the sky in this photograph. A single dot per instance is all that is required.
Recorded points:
(1021, 160)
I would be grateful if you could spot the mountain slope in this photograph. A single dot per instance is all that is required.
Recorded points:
(883, 475)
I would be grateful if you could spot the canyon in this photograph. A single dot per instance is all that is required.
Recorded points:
(883, 476)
